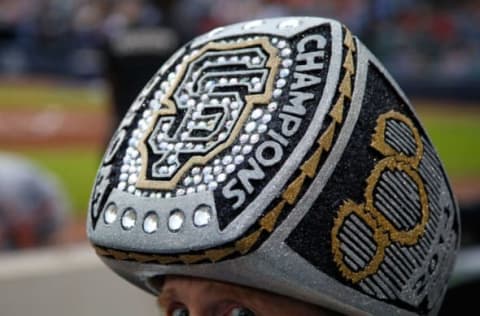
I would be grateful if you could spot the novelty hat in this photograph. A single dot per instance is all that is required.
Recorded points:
(279, 154)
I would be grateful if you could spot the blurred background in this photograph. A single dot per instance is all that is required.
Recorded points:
(70, 68)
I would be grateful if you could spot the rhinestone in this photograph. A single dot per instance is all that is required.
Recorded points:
(209, 85)
(202, 215)
(183, 98)
(281, 83)
(274, 40)
(150, 223)
(230, 168)
(221, 177)
(266, 118)
(180, 192)
(246, 59)
(272, 106)
(132, 179)
(227, 159)
(164, 84)
(252, 24)
(226, 101)
(168, 195)
(234, 105)
(134, 153)
(235, 114)
(284, 73)
(142, 124)
(190, 190)
(111, 213)
(216, 161)
(197, 179)
(207, 170)
(250, 127)
(254, 138)
(133, 142)
(124, 168)
(223, 81)
(244, 138)
(289, 24)
(154, 104)
(208, 178)
(195, 170)
(262, 128)
(171, 169)
(163, 170)
(171, 159)
(287, 63)
(187, 181)
(217, 170)
(247, 149)
(234, 59)
(212, 185)
(256, 113)
(204, 98)
(238, 159)
(179, 146)
(122, 185)
(255, 79)
(123, 177)
(214, 102)
(257, 87)
(221, 59)
(234, 80)
(202, 188)
(175, 221)
(282, 44)
(129, 218)
(277, 93)
(286, 52)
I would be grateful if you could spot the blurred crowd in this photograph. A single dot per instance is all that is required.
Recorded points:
(419, 40)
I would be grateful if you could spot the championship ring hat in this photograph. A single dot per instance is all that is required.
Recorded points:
(279, 154)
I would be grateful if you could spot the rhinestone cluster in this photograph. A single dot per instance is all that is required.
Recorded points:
(216, 171)
(176, 220)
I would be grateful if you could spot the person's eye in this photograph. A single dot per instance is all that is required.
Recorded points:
(179, 311)
(241, 311)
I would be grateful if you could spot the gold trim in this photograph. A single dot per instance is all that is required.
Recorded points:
(385, 232)
(273, 62)
(380, 238)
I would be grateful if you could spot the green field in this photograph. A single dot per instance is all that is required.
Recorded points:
(457, 140)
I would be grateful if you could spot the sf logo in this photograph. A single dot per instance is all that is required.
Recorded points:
(395, 209)
(205, 109)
